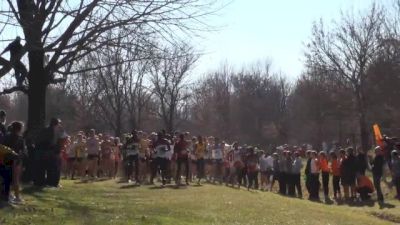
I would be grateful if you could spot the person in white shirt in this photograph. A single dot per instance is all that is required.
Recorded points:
(217, 157)
(266, 164)
(314, 177)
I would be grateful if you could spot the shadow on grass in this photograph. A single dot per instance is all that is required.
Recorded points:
(167, 187)
(91, 180)
(3, 205)
(129, 186)
(73, 208)
(32, 189)
(383, 205)
(369, 203)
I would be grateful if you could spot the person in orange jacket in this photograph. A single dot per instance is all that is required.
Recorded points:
(364, 187)
(324, 166)
(335, 170)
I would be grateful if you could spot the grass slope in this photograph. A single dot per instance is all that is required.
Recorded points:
(109, 203)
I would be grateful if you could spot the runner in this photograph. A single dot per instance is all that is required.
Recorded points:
(144, 156)
(182, 157)
(93, 150)
(200, 151)
(252, 168)
(107, 162)
(131, 157)
(217, 157)
(161, 148)
(78, 151)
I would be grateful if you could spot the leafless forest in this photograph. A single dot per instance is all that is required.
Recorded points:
(123, 65)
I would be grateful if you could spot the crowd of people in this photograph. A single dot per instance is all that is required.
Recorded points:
(144, 158)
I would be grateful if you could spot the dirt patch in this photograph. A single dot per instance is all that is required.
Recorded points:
(387, 216)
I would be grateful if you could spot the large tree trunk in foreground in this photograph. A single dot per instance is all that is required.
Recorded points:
(37, 93)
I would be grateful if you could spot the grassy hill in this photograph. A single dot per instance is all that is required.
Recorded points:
(107, 202)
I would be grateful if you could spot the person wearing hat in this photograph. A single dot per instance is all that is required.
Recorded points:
(377, 172)
(396, 172)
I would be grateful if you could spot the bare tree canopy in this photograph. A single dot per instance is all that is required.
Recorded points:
(59, 33)
(169, 78)
(346, 52)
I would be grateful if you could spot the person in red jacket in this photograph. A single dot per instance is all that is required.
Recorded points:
(182, 156)
(364, 187)
(252, 168)
(323, 164)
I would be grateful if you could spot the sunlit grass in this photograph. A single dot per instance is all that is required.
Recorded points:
(107, 202)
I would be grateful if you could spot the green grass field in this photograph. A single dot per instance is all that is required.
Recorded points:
(106, 202)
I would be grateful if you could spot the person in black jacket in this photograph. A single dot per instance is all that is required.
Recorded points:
(15, 141)
(377, 172)
(16, 52)
(307, 171)
(348, 173)
(361, 159)
(48, 162)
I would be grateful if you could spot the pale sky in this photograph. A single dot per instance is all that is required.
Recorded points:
(257, 30)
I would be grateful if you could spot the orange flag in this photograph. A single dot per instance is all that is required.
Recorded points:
(378, 135)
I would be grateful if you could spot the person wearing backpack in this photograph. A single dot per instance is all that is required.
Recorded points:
(15, 141)
(7, 155)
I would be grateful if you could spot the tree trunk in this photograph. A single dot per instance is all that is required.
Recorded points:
(37, 93)
(118, 124)
(364, 134)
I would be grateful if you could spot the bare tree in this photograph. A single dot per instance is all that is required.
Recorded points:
(347, 51)
(211, 103)
(169, 77)
(136, 94)
(70, 30)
